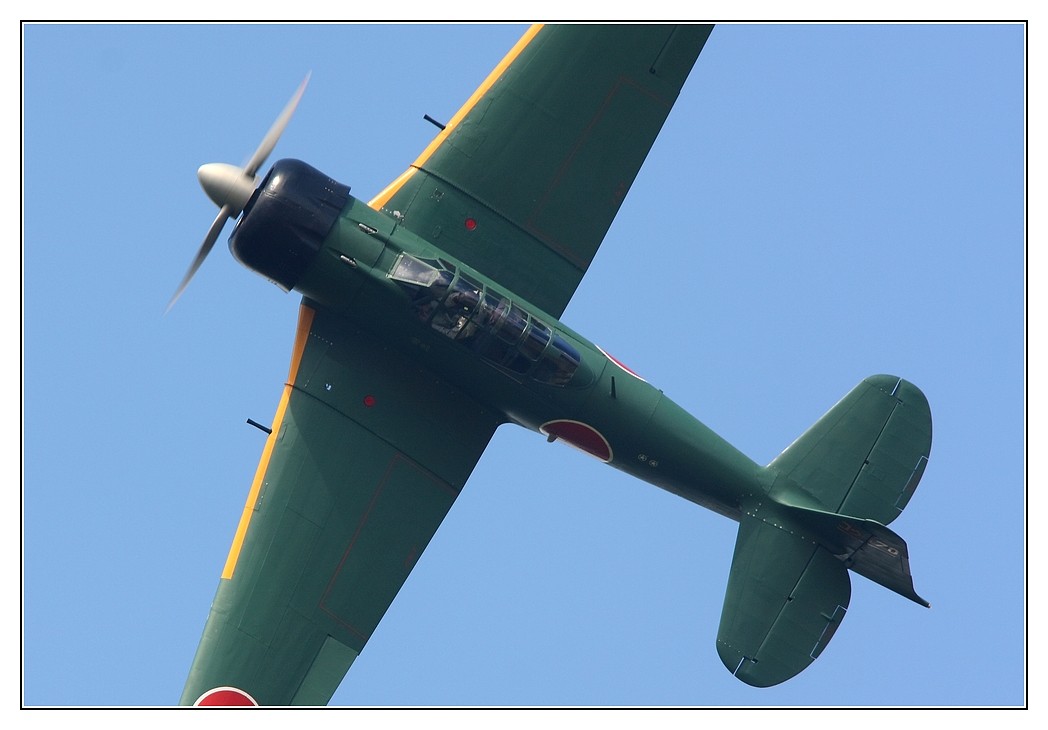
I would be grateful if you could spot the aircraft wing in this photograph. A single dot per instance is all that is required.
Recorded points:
(354, 480)
(523, 182)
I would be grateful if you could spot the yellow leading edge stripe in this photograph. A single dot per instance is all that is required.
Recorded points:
(305, 323)
(382, 198)
(305, 316)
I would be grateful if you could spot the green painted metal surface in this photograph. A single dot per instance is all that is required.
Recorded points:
(360, 477)
(421, 335)
(786, 596)
(542, 161)
(865, 456)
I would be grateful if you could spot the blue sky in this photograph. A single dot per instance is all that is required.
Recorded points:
(825, 202)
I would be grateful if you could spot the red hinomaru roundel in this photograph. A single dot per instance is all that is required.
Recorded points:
(225, 697)
(579, 435)
(620, 364)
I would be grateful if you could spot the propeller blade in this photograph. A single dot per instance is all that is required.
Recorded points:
(205, 249)
(231, 187)
(270, 140)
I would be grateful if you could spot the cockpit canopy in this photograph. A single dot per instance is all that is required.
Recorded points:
(486, 321)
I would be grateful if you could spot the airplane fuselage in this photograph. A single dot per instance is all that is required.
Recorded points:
(506, 353)
(406, 360)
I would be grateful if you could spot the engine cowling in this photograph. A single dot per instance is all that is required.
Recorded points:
(285, 222)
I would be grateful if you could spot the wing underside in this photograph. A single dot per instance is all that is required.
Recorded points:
(355, 479)
(521, 185)
(541, 156)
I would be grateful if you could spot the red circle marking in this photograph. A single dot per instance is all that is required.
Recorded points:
(581, 436)
(369, 401)
(624, 367)
(471, 224)
(225, 697)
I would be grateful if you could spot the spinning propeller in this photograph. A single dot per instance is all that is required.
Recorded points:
(230, 187)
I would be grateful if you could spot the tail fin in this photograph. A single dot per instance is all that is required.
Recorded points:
(834, 490)
(867, 547)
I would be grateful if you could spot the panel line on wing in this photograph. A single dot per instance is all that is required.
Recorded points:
(403, 482)
(535, 219)
(383, 197)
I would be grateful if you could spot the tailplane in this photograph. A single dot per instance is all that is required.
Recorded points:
(863, 458)
(786, 596)
(833, 491)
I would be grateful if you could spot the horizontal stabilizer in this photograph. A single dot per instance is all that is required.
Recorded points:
(786, 596)
(864, 457)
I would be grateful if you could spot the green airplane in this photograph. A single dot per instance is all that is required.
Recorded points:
(430, 317)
